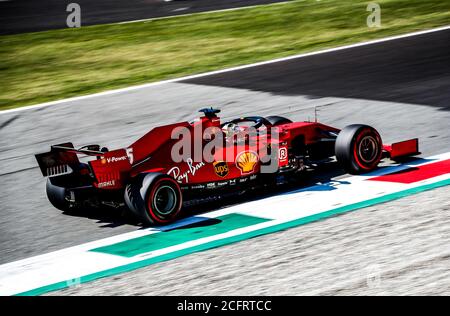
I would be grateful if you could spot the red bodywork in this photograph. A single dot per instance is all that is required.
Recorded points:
(152, 153)
(234, 162)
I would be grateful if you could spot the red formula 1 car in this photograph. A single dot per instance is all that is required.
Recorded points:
(189, 160)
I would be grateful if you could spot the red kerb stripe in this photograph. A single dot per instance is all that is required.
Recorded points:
(418, 173)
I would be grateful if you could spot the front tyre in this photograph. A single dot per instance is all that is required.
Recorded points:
(155, 198)
(358, 148)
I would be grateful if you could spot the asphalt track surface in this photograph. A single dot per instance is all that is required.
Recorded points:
(397, 248)
(19, 16)
(401, 88)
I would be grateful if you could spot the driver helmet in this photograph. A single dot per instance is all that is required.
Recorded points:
(230, 129)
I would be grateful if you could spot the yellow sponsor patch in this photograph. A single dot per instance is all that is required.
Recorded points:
(246, 161)
(221, 168)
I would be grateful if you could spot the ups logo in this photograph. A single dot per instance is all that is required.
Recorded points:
(221, 168)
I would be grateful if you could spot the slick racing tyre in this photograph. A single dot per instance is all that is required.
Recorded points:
(57, 196)
(278, 120)
(154, 197)
(358, 148)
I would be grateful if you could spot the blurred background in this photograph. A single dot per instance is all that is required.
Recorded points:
(39, 66)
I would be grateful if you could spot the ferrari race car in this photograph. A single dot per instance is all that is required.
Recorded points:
(180, 162)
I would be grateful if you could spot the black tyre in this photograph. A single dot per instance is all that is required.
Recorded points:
(358, 148)
(278, 120)
(57, 196)
(154, 197)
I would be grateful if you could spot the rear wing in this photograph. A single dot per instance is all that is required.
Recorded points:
(402, 149)
(62, 159)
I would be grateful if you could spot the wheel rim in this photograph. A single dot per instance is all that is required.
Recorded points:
(165, 200)
(368, 149)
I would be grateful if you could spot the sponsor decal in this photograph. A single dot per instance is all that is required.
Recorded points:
(282, 153)
(211, 185)
(283, 159)
(175, 172)
(253, 177)
(114, 159)
(233, 182)
(221, 168)
(110, 183)
(197, 186)
(246, 161)
(222, 183)
(242, 180)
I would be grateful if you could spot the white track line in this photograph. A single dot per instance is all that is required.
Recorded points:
(147, 85)
(204, 12)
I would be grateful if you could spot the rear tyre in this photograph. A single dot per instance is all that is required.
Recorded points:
(278, 120)
(154, 197)
(57, 196)
(358, 148)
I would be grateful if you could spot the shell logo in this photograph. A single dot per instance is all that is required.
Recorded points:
(246, 161)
